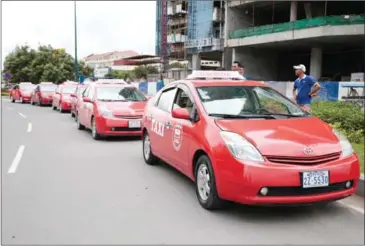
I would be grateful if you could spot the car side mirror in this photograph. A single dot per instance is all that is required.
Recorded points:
(86, 99)
(73, 95)
(181, 113)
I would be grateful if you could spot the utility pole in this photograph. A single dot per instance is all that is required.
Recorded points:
(76, 64)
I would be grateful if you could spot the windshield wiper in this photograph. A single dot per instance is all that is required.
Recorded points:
(287, 115)
(233, 116)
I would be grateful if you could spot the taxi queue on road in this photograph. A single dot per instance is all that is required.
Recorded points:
(238, 140)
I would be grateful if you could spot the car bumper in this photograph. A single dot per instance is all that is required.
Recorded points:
(46, 101)
(116, 127)
(66, 106)
(242, 183)
(26, 99)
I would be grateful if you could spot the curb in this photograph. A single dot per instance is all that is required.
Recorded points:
(360, 187)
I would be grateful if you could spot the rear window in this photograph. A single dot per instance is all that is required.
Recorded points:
(26, 87)
(49, 88)
(68, 89)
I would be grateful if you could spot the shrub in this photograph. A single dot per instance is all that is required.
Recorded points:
(344, 116)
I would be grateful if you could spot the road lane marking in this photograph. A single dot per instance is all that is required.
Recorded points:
(357, 209)
(29, 129)
(16, 160)
(22, 115)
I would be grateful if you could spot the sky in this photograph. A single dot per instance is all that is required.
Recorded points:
(102, 26)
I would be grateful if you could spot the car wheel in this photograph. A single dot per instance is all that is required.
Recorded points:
(79, 125)
(94, 131)
(21, 99)
(205, 185)
(72, 114)
(12, 99)
(53, 107)
(148, 156)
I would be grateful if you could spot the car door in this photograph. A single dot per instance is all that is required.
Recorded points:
(56, 96)
(89, 110)
(16, 94)
(181, 129)
(160, 129)
(36, 94)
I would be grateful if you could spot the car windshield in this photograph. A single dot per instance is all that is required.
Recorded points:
(48, 88)
(68, 89)
(242, 101)
(27, 87)
(119, 93)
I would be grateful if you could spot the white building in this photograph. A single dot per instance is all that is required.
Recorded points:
(106, 60)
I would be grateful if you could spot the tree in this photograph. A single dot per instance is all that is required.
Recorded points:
(143, 71)
(18, 64)
(43, 64)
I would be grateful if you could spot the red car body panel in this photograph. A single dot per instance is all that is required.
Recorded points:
(62, 97)
(123, 113)
(77, 97)
(280, 141)
(42, 96)
(17, 93)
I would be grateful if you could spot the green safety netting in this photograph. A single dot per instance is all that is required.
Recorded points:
(296, 25)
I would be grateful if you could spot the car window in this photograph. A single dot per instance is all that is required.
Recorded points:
(68, 89)
(166, 99)
(119, 93)
(47, 88)
(37, 88)
(91, 93)
(246, 100)
(86, 92)
(80, 90)
(182, 100)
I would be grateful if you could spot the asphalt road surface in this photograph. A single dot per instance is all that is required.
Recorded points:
(69, 189)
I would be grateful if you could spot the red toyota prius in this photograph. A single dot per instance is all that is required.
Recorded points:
(111, 109)
(21, 92)
(243, 141)
(62, 96)
(42, 94)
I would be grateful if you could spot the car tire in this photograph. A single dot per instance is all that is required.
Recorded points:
(53, 107)
(94, 132)
(79, 125)
(148, 156)
(72, 115)
(21, 99)
(12, 99)
(204, 178)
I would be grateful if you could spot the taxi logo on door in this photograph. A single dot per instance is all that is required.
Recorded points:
(177, 137)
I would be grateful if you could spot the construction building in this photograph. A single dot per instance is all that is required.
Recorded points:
(269, 37)
(190, 30)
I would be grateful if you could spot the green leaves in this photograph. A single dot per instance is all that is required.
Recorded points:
(44, 64)
(344, 116)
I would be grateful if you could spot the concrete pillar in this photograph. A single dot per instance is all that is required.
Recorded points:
(316, 63)
(195, 62)
(293, 10)
(223, 60)
(308, 10)
(233, 56)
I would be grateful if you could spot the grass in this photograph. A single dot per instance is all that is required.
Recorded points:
(359, 149)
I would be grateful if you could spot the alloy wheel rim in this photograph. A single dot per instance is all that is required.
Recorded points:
(203, 179)
(146, 147)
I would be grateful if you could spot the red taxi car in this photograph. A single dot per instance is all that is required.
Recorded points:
(243, 141)
(61, 99)
(111, 109)
(76, 98)
(21, 92)
(42, 94)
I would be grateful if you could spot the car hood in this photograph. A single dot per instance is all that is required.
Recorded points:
(285, 137)
(124, 108)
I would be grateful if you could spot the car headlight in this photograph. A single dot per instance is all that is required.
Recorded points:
(240, 147)
(106, 113)
(346, 146)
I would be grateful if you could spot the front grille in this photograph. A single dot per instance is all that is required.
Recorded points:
(314, 160)
(299, 191)
(129, 116)
(125, 129)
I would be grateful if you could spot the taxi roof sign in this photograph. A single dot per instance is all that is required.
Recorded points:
(201, 74)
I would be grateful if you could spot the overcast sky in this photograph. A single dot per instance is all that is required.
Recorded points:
(102, 26)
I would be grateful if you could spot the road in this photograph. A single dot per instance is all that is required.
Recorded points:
(70, 189)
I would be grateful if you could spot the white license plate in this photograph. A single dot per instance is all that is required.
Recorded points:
(315, 179)
(134, 124)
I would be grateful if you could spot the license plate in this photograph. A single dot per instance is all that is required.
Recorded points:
(134, 124)
(315, 179)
